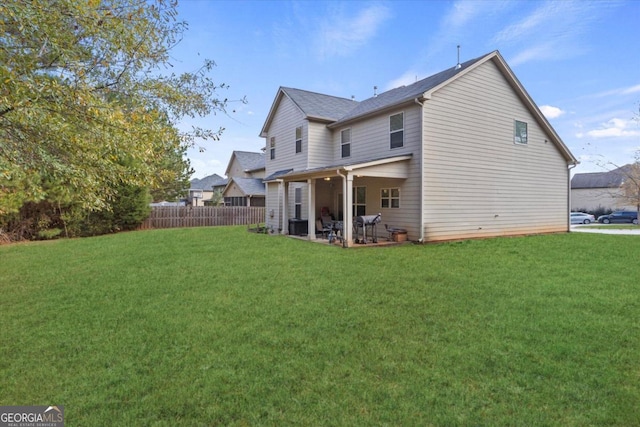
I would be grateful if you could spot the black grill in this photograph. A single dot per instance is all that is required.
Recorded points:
(365, 228)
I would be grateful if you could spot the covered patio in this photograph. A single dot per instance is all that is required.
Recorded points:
(327, 191)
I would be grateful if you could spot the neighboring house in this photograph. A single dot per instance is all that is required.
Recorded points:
(599, 191)
(201, 190)
(465, 153)
(245, 187)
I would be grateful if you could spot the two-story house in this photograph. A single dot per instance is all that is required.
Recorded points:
(464, 153)
(245, 187)
(201, 190)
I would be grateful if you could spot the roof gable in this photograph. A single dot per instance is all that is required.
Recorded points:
(248, 186)
(422, 90)
(314, 106)
(248, 161)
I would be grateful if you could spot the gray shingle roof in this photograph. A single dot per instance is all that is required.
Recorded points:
(320, 106)
(250, 161)
(610, 179)
(208, 182)
(250, 186)
(336, 109)
(405, 93)
(277, 174)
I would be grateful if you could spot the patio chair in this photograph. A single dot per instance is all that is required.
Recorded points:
(322, 229)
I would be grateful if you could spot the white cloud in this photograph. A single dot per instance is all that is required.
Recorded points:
(541, 51)
(556, 27)
(206, 166)
(527, 25)
(462, 13)
(406, 79)
(614, 128)
(340, 35)
(630, 90)
(619, 91)
(551, 112)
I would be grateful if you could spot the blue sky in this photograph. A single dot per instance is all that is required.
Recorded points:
(578, 60)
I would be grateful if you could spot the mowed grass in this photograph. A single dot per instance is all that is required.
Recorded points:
(218, 326)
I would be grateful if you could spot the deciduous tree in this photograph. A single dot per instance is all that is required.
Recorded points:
(87, 104)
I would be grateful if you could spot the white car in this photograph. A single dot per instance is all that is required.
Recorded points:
(582, 218)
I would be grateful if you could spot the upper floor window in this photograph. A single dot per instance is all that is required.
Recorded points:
(299, 139)
(520, 132)
(345, 142)
(396, 130)
(272, 148)
(390, 198)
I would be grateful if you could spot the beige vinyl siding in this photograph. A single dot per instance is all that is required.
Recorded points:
(236, 169)
(591, 199)
(321, 150)
(404, 217)
(477, 181)
(283, 128)
(258, 174)
(370, 140)
(234, 191)
(273, 206)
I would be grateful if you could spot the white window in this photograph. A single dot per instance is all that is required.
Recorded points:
(298, 203)
(520, 132)
(345, 141)
(396, 130)
(272, 148)
(299, 139)
(390, 198)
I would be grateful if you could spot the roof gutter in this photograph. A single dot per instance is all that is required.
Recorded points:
(372, 113)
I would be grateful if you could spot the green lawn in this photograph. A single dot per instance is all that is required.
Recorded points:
(218, 326)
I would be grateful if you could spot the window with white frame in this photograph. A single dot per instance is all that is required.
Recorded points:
(299, 139)
(396, 130)
(520, 132)
(345, 142)
(390, 198)
(298, 203)
(272, 148)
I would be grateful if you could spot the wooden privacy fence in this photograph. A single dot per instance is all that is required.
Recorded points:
(202, 216)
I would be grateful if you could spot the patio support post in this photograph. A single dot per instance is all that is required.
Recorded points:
(311, 213)
(347, 202)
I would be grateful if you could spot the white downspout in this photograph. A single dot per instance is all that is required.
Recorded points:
(422, 171)
(569, 195)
